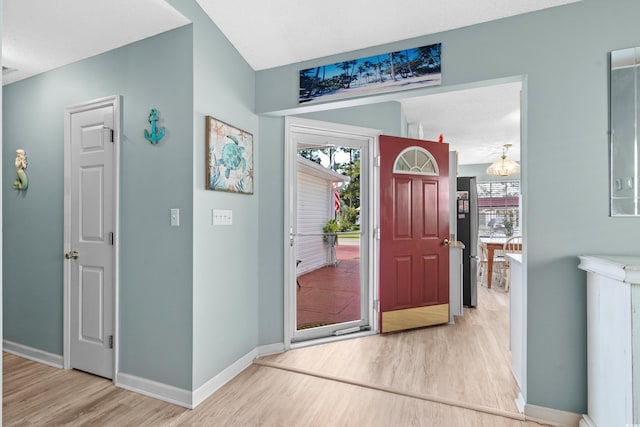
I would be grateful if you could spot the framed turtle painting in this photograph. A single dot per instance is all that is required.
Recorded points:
(229, 159)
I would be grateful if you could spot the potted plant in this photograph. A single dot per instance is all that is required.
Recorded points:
(330, 229)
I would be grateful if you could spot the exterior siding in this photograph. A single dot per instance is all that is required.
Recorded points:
(314, 210)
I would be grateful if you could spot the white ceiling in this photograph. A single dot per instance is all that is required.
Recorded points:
(40, 35)
(278, 32)
(475, 122)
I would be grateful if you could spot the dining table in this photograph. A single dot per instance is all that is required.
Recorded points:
(492, 243)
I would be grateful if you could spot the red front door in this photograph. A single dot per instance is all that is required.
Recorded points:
(414, 219)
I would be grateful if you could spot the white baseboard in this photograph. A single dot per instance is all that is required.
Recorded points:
(211, 386)
(587, 422)
(521, 403)
(268, 350)
(187, 398)
(551, 416)
(154, 389)
(157, 390)
(34, 354)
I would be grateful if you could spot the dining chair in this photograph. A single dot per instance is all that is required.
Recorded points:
(498, 264)
(512, 245)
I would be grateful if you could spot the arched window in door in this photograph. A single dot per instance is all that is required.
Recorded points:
(416, 161)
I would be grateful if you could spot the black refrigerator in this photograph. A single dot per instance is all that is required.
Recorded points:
(467, 209)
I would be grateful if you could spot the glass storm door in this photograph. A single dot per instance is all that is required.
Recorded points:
(329, 233)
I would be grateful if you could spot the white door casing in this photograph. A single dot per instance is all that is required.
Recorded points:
(91, 136)
(455, 252)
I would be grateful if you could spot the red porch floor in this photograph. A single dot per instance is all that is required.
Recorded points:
(331, 294)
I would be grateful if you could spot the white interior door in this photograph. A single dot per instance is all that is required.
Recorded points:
(89, 235)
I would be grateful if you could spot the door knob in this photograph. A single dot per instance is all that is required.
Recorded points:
(445, 242)
(71, 255)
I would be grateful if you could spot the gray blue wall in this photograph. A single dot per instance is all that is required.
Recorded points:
(561, 54)
(386, 116)
(155, 259)
(225, 266)
(271, 232)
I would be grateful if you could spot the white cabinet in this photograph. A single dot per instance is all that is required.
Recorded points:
(613, 340)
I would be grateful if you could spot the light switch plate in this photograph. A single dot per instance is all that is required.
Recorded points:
(222, 217)
(175, 217)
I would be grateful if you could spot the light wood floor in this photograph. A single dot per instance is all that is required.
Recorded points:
(469, 361)
(466, 362)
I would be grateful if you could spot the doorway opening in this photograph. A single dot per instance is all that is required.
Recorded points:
(515, 119)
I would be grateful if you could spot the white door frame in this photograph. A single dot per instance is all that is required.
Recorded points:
(113, 100)
(295, 124)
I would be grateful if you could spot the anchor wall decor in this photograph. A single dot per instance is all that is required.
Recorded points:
(155, 135)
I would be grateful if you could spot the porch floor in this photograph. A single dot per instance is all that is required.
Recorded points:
(331, 294)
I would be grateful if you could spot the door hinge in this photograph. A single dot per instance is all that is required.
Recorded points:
(111, 133)
(377, 162)
(111, 239)
(376, 233)
(110, 341)
(376, 305)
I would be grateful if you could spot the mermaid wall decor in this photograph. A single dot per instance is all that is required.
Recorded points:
(22, 181)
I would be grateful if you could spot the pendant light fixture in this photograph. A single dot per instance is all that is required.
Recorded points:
(503, 166)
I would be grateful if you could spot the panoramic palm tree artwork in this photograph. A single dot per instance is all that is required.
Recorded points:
(390, 72)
